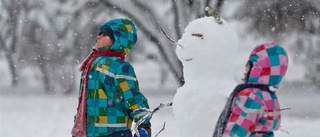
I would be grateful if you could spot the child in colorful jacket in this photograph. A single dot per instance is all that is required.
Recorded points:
(253, 110)
(109, 98)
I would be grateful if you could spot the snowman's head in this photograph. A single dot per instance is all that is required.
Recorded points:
(207, 46)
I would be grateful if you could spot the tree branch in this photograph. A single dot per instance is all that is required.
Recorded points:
(218, 5)
(3, 45)
(163, 128)
(207, 4)
(176, 18)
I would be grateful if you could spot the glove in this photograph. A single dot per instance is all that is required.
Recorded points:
(144, 130)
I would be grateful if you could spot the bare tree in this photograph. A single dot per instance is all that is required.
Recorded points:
(57, 35)
(33, 37)
(274, 18)
(9, 35)
(219, 5)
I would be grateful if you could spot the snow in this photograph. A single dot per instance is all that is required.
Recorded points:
(26, 111)
(208, 71)
(38, 115)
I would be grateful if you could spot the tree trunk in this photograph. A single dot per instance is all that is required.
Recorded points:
(12, 68)
(45, 78)
(219, 5)
(14, 11)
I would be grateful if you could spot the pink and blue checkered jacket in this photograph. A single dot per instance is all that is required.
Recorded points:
(254, 111)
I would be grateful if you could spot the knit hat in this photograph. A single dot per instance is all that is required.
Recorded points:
(106, 30)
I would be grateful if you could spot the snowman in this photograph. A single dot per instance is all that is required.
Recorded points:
(207, 51)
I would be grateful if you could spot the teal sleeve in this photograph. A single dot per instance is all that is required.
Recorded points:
(127, 84)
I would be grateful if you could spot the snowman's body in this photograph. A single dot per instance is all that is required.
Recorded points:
(207, 53)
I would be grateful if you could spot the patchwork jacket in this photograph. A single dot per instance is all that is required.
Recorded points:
(113, 96)
(254, 111)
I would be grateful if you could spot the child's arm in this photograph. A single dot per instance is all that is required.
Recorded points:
(127, 84)
(246, 111)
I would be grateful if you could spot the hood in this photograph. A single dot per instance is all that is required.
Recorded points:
(270, 63)
(125, 35)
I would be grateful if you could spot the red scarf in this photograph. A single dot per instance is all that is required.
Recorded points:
(79, 127)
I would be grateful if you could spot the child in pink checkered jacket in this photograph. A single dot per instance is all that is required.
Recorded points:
(253, 109)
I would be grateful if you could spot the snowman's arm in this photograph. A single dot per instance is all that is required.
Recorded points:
(245, 113)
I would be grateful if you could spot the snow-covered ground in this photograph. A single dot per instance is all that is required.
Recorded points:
(26, 111)
(39, 115)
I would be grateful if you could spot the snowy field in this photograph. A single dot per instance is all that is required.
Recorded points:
(27, 112)
(38, 115)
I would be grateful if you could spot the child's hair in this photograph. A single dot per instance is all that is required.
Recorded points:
(250, 67)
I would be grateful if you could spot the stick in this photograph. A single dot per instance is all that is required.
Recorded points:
(285, 109)
(150, 113)
(170, 38)
(163, 128)
(283, 130)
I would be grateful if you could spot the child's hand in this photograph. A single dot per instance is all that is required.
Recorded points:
(144, 130)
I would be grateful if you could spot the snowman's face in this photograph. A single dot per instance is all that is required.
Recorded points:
(207, 50)
(189, 46)
(206, 46)
(197, 42)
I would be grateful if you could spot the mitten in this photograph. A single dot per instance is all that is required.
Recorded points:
(144, 130)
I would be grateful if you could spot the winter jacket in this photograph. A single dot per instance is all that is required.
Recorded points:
(113, 96)
(254, 109)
